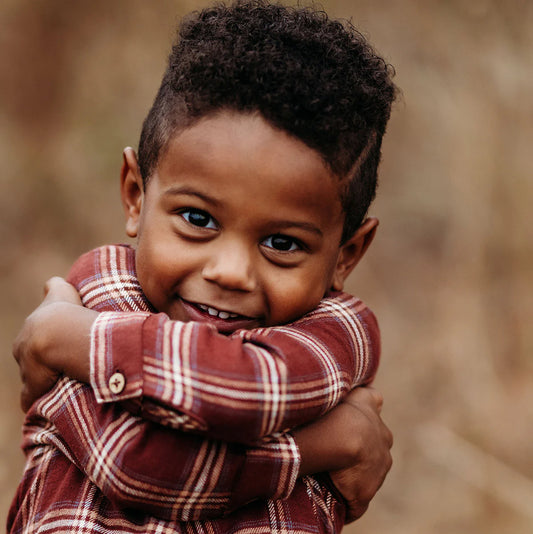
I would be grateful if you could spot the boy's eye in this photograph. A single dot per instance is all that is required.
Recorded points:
(199, 218)
(281, 243)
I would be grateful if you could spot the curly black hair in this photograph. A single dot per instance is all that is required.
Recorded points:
(315, 78)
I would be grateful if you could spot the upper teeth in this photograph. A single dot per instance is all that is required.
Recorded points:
(217, 313)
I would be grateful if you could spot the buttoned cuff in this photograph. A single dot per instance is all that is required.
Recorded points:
(116, 357)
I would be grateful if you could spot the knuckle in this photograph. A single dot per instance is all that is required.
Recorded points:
(16, 350)
(355, 511)
(53, 284)
(388, 462)
(356, 450)
(377, 397)
(48, 285)
(366, 495)
(389, 438)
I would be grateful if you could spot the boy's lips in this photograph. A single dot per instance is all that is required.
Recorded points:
(225, 321)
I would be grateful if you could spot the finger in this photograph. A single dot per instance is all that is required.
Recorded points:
(377, 397)
(53, 284)
(355, 510)
(25, 401)
(365, 397)
(58, 289)
(16, 349)
(389, 438)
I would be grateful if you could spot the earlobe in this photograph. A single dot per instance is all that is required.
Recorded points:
(352, 251)
(131, 191)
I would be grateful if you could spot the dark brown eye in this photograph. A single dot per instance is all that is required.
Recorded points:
(281, 243)
(199, 218)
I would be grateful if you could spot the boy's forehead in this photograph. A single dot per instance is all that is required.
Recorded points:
(240, 139)
(230, 150)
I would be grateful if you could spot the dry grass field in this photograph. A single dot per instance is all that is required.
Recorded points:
(450, 274)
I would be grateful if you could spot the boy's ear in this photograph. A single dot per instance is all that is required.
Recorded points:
(352, 251)
(131, 191)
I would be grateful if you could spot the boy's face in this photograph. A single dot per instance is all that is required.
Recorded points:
(239, 225)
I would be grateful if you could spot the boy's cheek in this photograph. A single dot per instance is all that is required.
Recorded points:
(293, 300)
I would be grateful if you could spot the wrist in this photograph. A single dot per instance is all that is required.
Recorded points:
(68, 343)
(315, 456)
(329, 443)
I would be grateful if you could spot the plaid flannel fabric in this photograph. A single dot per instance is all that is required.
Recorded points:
(122, 466)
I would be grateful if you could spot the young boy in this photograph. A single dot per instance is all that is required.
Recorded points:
(248, 205)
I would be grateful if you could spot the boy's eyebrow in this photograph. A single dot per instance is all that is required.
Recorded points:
(302, 225)
(184, 190)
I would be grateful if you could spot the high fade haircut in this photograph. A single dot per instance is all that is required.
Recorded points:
(317, 79)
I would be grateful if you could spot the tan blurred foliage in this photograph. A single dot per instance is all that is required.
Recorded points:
(450, 275)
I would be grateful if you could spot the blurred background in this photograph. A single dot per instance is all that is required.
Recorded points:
(449, 275)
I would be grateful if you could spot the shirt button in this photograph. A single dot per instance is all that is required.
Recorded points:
(117, 383)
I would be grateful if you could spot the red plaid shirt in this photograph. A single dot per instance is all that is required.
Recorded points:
(97, 464)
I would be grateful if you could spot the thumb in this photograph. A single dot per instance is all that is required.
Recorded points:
(57, 289)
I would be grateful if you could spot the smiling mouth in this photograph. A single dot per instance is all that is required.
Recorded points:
(213, 312)
(226, 322)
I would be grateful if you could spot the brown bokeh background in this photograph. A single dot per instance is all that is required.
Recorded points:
(450, 274)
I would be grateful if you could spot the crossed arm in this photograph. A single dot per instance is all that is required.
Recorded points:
(372, 439)
(177, 476)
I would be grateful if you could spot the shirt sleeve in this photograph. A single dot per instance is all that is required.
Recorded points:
(237, 388)
(172, 475)
(142, 465)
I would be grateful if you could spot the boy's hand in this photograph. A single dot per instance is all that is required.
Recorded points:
(353, 444)
(372, 441)
(48, 339)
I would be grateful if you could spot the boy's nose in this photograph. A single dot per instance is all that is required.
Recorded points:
(230, 267)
